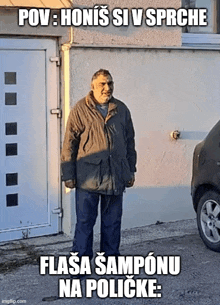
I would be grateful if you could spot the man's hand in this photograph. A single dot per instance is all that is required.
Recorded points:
(131, 182)
(70, 184)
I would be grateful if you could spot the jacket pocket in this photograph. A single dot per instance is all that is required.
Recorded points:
(89, 173)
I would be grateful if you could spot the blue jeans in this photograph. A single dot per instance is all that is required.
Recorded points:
(86, 213)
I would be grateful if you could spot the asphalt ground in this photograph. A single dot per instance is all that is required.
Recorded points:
(197, 282)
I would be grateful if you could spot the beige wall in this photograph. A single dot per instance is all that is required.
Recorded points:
(131, 35)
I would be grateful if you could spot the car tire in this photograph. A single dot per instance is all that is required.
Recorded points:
(208, 219)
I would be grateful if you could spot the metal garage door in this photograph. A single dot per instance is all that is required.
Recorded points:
(29, 135)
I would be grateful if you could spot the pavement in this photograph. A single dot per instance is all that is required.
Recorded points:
(197, 282)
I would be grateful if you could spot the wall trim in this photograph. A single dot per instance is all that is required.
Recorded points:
(192, 47)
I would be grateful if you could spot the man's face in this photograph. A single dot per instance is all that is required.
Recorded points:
(102, 88)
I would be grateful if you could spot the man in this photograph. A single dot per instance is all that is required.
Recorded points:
(99, 159)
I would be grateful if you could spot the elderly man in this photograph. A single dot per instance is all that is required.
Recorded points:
(98, 159)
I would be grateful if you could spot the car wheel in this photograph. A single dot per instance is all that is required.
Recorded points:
(208, 219)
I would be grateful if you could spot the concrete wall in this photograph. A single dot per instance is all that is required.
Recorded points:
(165, 90)
(129, 35)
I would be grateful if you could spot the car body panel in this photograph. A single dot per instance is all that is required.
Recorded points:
(206, 165)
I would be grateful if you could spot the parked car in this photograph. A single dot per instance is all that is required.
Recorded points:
(205, 188)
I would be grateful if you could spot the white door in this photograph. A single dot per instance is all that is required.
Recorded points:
(29, 135)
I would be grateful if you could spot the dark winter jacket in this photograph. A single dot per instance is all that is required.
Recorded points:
(99, 153)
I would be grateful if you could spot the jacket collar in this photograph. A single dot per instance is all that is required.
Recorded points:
(112, 108)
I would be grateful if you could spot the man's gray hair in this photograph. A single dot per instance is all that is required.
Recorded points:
(100, 72)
